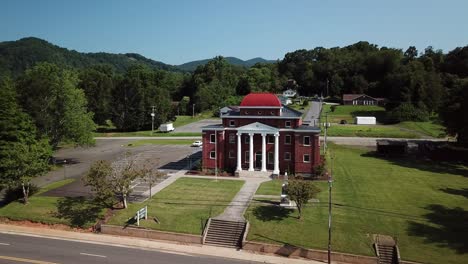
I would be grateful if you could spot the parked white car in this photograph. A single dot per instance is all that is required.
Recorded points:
(197, 143)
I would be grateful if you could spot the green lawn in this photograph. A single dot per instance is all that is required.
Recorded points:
(349, 112)
(184, 205)
(390, 131)
(270, 188)
(143, 142)
(75, 212)
(429, 128)
(146, 134)
(422, 203)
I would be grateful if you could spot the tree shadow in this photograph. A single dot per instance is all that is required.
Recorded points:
(422, 162)
(79, 211)
(462, 192)
(271, 213)
(447, 228)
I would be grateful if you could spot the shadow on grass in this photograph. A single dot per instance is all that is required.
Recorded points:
(271, 213)
(422, 163)
(287, 249)
(448, 227)
(79, 211)
(462, 192)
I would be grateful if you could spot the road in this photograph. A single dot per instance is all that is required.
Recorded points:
(196, 127)
(27, 249)
(313, 114)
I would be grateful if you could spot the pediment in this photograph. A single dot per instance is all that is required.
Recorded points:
(258, 127)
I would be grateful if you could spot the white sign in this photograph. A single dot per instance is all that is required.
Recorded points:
(141, 214)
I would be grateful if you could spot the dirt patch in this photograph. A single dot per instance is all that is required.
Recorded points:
(43, 225)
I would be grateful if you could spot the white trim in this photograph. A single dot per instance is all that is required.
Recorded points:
(212, 142)
(303, 140)
(264, 107)
(233, 123)
(264, 117)
(303, 158)
(285, 123)
(214, 154)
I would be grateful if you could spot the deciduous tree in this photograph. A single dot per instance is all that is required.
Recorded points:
(301, 191)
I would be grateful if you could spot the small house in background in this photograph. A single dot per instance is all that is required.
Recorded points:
(362, 99)
(365, 120)
(227, 109)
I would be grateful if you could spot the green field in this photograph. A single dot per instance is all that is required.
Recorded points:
(146, 134)
(183, 206)
(385, 131)
(428, 128)
(75, 212)
(422, 203)
(143, 142)
(349, 112)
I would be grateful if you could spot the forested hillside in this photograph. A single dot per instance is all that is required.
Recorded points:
(417, 85)
(192, 66)
(17, 56)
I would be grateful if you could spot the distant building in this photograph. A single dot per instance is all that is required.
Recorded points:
(289, 93)
(261, 135)
(285, 100)
(361, 99)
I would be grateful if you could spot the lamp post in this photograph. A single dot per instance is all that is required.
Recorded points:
(64, 169)
(327, 125)
(329, 215)
(152, 121)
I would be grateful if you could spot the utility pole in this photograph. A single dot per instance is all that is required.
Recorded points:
(193, 110)
(152, 120)
(327, 88)
(64, 169)
(330, 180)
(216, 155)
(325, 138)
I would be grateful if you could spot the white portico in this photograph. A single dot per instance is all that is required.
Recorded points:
(264, 131)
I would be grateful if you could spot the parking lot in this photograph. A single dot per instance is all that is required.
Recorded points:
(167, 158)
(196, 127)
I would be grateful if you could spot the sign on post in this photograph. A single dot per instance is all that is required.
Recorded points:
(141, 214)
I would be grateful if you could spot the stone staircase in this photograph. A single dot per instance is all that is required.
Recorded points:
(223, 233)
(387, 250)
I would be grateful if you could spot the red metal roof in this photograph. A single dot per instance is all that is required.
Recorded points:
(349, 97)
(260, 99)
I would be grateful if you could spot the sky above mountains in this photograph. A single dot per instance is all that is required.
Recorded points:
(180, 31)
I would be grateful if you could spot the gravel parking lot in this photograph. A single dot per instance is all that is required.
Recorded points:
(168, 158)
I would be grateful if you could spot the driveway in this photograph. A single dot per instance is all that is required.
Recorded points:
(312, 117)
(196, 127)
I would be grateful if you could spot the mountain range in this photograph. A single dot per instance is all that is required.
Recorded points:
(17, 56)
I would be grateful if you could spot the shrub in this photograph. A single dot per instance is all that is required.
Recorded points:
(333, 108)
(408, 112)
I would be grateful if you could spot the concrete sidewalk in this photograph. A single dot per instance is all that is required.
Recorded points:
(147, 244)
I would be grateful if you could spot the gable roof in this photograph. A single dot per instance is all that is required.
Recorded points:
(257, 127)
(350, 97)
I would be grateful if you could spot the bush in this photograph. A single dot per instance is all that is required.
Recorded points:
(333, 108)
(408, 112)
(305, 103)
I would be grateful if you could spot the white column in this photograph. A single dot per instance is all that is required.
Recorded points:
(276, 166)
(239, 152)
(264, 152)
(251, 154)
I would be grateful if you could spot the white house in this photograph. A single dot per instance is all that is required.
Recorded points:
(289, 93)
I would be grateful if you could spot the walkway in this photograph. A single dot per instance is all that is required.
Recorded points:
(240, 203)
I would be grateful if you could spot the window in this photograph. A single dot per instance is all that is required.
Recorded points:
(287, 140)
(287, 156)
(287, 124)
(259, 113)
(272, 113)
(306, 141)
(270, 157)
(232, 138)
(231, 154)
(246, 112)
(246, 139)
(247, 156)
(212, 155)
(270, 139)
(232, 123)
(306, 158)
(212, 138)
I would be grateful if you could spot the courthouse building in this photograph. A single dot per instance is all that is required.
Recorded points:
(261, 135)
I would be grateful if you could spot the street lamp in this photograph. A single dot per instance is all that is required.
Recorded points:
(152, 121)
(64, 169)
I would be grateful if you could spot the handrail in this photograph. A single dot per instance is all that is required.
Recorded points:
(205, 231)
(246, 231)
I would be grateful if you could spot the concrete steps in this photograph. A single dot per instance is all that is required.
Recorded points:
(224, 233)
(254, 174)
(387, 255)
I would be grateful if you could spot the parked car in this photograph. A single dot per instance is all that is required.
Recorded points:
(197, 143)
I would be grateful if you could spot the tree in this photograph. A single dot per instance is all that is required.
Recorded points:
(98, 179)
(151, 176)
(22, 155)
(58, 108)
(454, 110)
(301, 191)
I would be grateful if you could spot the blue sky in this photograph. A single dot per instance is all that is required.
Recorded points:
(179, 31)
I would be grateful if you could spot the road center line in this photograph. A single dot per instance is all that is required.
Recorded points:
(32, 261)
(4, 244)
(93, 255)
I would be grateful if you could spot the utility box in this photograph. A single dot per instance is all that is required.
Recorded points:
(365, 120)
(168, 127)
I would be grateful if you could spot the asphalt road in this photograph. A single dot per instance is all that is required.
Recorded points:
(27, 249)
(196, 127)
(313, 115)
